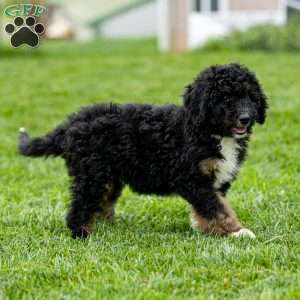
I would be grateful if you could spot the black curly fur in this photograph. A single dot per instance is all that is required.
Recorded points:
(153, 149)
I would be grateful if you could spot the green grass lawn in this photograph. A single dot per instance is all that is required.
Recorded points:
(150, 252)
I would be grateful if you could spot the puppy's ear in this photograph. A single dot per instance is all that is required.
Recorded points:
(195, 103)
(261, 108)
(257, 95)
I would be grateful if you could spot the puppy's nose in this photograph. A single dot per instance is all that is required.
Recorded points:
(244, 119)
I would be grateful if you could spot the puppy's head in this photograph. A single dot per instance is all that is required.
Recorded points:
(225, 100)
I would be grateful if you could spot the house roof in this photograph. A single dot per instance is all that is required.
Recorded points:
(119, 11)
(88, 10)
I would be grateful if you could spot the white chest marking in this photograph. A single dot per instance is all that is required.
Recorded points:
(227, 167)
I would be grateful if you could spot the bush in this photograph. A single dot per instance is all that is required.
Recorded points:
(265, 37)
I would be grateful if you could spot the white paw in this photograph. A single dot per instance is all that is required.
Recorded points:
(244, 232)
(22, 129)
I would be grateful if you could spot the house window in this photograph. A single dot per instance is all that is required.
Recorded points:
(214, 5)
(206, 5)
(198, 5)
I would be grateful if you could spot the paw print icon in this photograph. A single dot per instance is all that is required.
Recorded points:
(25, 31)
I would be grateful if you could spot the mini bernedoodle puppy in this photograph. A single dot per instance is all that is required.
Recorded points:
(194, 150)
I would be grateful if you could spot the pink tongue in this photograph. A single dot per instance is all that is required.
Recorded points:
(240, 130)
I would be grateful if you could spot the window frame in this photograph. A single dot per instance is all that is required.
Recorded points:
(206, 6)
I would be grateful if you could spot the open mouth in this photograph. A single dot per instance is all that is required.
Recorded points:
(239, 130)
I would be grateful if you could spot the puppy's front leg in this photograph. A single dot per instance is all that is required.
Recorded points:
(212, 214)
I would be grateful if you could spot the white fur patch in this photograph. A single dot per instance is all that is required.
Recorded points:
(227, 168)
(244, 232)
(22, 129)
(194, 223)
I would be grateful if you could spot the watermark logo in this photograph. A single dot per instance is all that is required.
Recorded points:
(25, 30)
(25, 10)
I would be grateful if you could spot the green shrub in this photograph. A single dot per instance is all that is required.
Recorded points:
(265, 37)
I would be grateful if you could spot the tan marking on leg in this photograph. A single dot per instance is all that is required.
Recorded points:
(223, 223)
(106, 210)
(107, 205)
(208, 166)
(88, 227)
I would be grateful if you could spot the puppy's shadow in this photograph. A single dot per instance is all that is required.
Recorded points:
(139, 230)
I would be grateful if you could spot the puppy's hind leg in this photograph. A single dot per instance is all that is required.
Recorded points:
(91, 196)
(108, 201)
(85, 196)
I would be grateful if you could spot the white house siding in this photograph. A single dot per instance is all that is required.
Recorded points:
(81, 12)
(138, 22)
(234, 14)
(203, 27)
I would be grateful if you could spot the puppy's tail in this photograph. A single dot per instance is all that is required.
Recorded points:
(50, 144)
